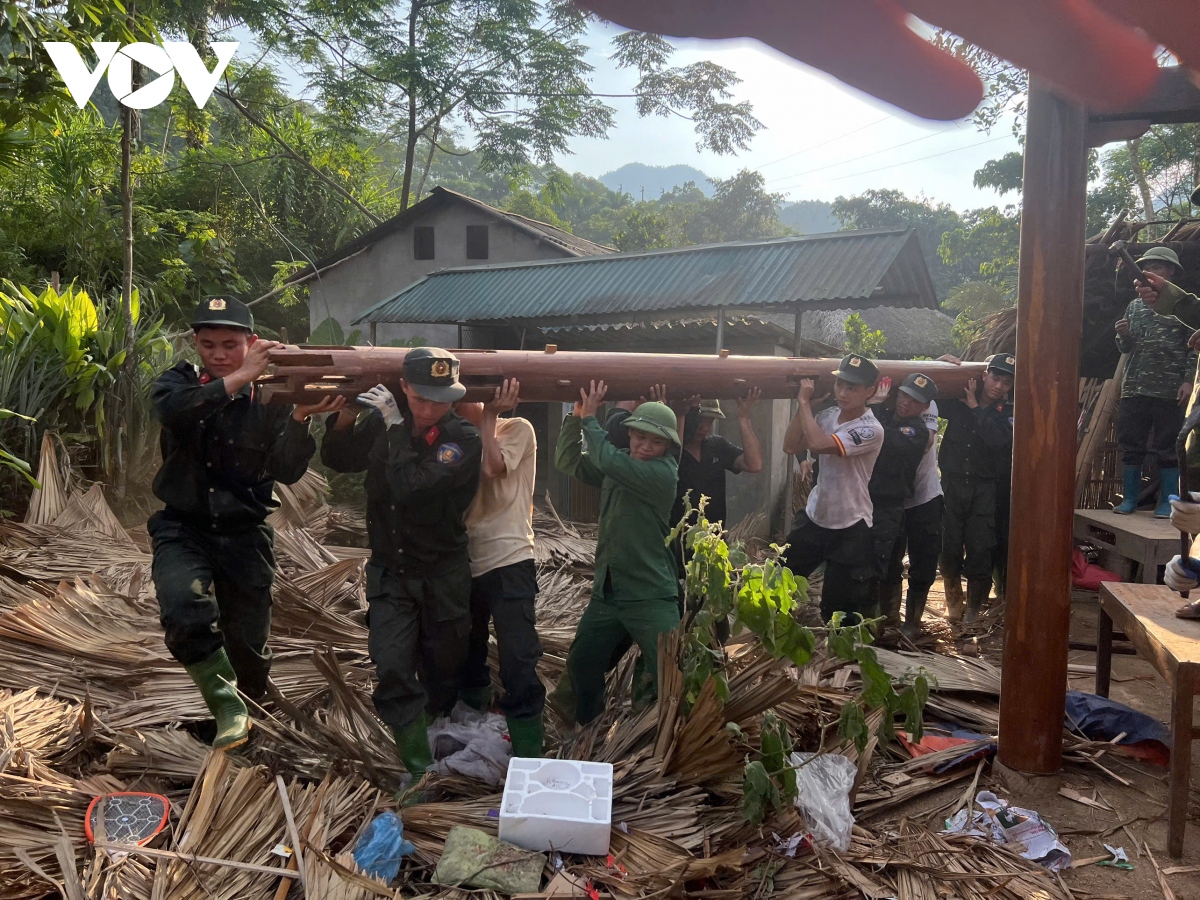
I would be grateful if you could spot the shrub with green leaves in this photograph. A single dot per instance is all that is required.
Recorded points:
(763, 597)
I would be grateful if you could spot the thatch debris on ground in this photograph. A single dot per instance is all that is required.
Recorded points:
(91, 702)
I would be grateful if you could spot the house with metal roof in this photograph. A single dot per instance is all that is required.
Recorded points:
(445, 230)
(748, 297)
(777, 276)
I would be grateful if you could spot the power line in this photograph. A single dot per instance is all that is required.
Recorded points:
(843, 162)
(824, 143)
(911, 161)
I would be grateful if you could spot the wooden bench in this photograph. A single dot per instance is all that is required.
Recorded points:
(1144, 614)
(1148, 541)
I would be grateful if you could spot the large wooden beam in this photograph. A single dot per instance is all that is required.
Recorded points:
(1049, 325)
(305, 374)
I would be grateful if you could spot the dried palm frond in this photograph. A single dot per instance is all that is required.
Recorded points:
(949, 673)
(303, 504)
(298, 548)
(48, 500)
(89, 512)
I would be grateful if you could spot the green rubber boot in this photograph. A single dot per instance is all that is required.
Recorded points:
(1168, 487)
(527, 736)
(1132, 487)
(412, 746)
(218, 685)
(478, 698)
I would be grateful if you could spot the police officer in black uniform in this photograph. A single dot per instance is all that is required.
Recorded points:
(905, 440)
(223, 450)
(976, 461)
(422, 463)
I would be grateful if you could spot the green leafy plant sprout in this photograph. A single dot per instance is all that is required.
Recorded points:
(721, 581)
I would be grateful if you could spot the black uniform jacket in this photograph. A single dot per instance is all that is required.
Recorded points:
(904, 444)
(978, 442)
(418, 488)
(222, 455)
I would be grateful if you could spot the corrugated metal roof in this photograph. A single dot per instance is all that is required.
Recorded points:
(842, 269)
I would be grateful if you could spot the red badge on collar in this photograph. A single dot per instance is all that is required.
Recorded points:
(432, 435)
(205, 378)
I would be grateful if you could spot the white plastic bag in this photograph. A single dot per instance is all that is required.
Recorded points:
(823, 784)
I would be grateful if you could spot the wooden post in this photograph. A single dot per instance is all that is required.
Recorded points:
(1049, 327)
(720, 328)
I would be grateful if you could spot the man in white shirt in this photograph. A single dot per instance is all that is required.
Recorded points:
(835, 526)
(503, 575)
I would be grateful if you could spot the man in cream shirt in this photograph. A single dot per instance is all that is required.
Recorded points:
(503, 576)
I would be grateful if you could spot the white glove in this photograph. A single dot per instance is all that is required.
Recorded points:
(1180, 576)
(381, 399)
(1186, 516)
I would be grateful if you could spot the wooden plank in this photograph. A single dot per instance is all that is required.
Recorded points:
(1141, 524)
(1146, 615)
(1049, 327)
(1181, 758)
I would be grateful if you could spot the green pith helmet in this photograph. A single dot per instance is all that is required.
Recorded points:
(657, 419)
(1161, 254)
(710, 409)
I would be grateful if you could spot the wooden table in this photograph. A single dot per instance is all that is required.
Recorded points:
(1148, 541)
(1145, 616)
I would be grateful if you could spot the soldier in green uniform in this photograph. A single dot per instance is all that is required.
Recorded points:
(422, 463)
(635, 589)
(223, 449)
(975, 458)
(1157, 383)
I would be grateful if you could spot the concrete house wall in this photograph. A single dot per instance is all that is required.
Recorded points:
(350, 288)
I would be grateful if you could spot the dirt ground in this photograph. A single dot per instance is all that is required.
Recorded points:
(1140, 808)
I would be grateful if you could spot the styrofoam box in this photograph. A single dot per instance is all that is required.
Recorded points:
(557, 804)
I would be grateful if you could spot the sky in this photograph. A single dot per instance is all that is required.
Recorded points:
(822, 139)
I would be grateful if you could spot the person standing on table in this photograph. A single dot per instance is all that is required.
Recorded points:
(503, 575)
(975, 458)
(422, 463)
(635, 590)
(1156, 387)
(835, 525)
(921, 534)
(223, 450)
(906, 442)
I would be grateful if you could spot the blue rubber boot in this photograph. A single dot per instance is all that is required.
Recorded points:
(1133, 486)
(1168, 487)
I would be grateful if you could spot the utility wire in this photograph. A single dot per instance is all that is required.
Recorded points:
(824, 143)
(843, 162)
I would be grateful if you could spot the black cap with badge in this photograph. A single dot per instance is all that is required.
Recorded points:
(920, 387)
(857, 369)
(433, 373)
(1005, 363)
(222, 311)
